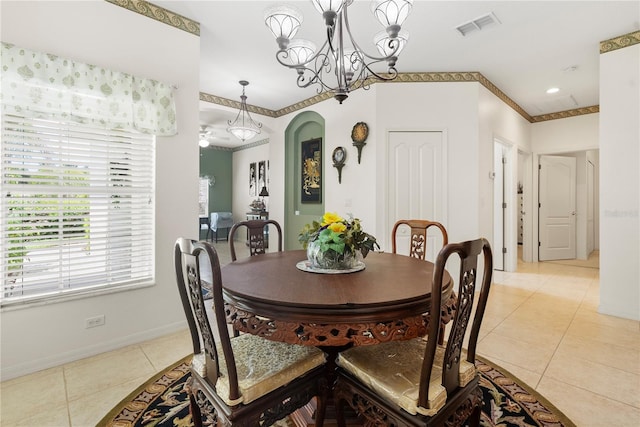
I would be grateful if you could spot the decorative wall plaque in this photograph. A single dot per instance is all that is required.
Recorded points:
(339, 156)
(359, 135)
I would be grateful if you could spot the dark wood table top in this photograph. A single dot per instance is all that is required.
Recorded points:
(390, 287)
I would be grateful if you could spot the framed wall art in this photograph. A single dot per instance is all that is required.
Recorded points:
(252, 180)
(262, 175)
(311, 171)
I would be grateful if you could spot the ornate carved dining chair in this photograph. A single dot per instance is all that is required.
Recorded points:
(418, 236)
(245, 380)
(420, 382)
(255, 236)
(418, 239)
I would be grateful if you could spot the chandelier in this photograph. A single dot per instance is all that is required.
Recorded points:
(244, 127)
(340, 58)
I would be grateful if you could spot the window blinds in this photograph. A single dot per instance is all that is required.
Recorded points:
(76, 208)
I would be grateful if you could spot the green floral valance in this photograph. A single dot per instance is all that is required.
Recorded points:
(43, 85)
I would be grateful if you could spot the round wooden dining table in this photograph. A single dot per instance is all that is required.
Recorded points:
(267, 295)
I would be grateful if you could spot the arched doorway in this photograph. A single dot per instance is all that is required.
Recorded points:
(305, 126)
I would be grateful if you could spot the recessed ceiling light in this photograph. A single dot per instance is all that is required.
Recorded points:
(203, 143)
(553, 90)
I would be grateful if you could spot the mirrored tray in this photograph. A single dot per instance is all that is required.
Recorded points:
(305, 265)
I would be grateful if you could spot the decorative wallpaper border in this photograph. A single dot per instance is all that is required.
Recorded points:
(438, 77)
(620, 42)
(251, 145)
(218, 148)
(242, 147)
(236, 104)
(565, 114)
(159, 14)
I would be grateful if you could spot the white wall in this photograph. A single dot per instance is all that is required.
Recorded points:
(620, 182)
(593, 156)
(498, 121)
(356, 194)
(38, 337)
(450, 107)
(564, 135)
(581, 205)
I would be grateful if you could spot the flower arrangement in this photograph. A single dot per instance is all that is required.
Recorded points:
(335, 242)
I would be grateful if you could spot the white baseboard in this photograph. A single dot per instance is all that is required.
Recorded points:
(7, 373)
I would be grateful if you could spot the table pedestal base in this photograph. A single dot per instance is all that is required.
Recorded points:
(304, 417)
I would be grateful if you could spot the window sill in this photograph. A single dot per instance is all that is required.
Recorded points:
(70, 295)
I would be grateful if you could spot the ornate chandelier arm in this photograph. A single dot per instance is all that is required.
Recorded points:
(359, 49)
(392, 72)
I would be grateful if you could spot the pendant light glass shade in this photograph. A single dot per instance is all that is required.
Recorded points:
(388, 46)
(284, 22)
(300, 51)
(391, 12)
(328, 5)
(351, 62)
(244, 127)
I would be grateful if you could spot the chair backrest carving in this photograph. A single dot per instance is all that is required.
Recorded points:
(469, 283)
(255, 236)
(418, 236)
(188, 259)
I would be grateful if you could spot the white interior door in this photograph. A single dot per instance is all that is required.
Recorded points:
(499, 205)
(590, 207)
(557, 235)
(415, 185)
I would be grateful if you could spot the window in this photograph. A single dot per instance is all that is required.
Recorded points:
(76, 208)
(203, 197)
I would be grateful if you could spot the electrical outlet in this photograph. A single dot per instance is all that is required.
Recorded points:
(92, 322)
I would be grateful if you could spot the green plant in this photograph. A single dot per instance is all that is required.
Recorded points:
(339, 235)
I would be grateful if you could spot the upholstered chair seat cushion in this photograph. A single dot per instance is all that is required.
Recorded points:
(263, 366)
(393, 371)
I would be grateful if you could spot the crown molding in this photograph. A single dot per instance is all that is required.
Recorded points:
(620, 42)
(159, 14)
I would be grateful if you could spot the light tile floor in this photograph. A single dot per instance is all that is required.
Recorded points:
(541, 324)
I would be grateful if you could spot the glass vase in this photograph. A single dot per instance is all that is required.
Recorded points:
(331, 260)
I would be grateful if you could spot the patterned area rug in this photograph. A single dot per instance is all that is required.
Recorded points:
(162, 402)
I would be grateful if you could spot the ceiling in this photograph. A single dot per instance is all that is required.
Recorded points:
(534, 46)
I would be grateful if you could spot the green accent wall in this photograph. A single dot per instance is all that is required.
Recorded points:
(305, 126)
(218, 163)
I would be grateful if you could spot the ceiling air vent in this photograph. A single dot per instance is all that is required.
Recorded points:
(477, 24)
